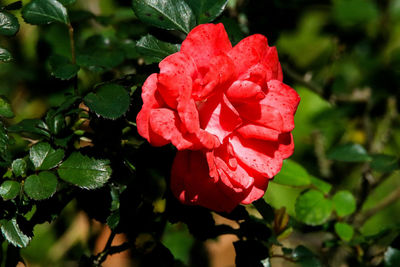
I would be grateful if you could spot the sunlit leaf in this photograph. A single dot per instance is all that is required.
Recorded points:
(13, 234)
(9, 189)
(344, 203)
(392, 257)
(19, 167)
(166, 14)
(9, 24)
(344, 231)
(85, 172)
(207, 10)
(313, 208)
(5, 56)
(321, 184)
(292, 174)
(44, 157)
(40, 186)
(44, 12)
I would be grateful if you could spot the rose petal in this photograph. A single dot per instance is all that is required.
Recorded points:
(260, 113)
(258, 132)
(191, 183)
(218, 117)
(283, 98)
(220, 75)
(286, 145)
(166, 124)
(150, 101)
(248, 52)
(271, 61)
(188, 114)
(178, 64)
(242, 91)
(205, 42)
(261, 157)
(257, 191)
(175, 78)
(256, 74)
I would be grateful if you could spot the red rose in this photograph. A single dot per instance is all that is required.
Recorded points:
(227, 112)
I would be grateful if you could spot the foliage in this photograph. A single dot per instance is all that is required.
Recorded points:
(70, 83)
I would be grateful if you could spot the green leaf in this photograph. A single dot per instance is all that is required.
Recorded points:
(9, 24)
(111, 101)
(34, 126)
(207, 10)
(62, 68)
(344, 203)
(67, 2)
(14, 6)
(166, 14)
(39, 12)
(4, 142)
(384, 163)
(44, 157)
(55, 121)
(305, 257)
(85, 172)
(155, 49)
(41, 186)
(19, 167)
(349, 153)
(392, 257)
(344, 231)
(13, 234)
(321, 184)
(100, 53)
(5, 56)
(179, 241)
(67, 104)
(313, 208)
(354, 12)
(292, 174)
(5, 108)
(129, 48)
(9, 189)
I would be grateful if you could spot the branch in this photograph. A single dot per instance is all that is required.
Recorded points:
(301, 79)
(73, 55)
(109, 250)
(390, 199)
(384, 126)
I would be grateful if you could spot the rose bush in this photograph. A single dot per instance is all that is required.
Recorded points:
(227, 112)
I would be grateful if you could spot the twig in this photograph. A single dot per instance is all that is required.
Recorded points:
(302, 80)
(109, 250)
(73, 55)
(282, 257)
(390, 199)
(384, 127)
(324, 163)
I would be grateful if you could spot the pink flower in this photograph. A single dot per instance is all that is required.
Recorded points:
(227, 112)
